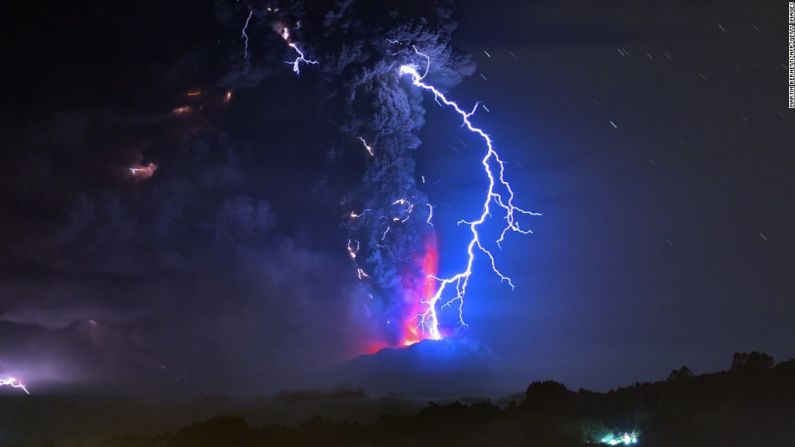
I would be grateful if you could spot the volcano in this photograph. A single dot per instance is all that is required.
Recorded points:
(432, 369)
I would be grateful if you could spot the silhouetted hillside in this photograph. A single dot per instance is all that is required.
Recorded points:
(752, 404)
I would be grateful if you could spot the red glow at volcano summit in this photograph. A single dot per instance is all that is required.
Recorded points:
(418, 286)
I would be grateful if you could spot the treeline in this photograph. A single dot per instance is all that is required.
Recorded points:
(751, 404)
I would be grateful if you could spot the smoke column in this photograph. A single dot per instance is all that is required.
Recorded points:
(360, 50)
(396, 238)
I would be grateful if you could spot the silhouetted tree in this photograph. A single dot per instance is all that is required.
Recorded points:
(745, 361)
(549, 394)
(227, 431)
(682, 373)
(726, 409)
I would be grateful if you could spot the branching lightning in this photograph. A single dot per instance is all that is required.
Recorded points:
(301, 58)
(408, 210)
(498, 195)
(286, 36)
(14, 383)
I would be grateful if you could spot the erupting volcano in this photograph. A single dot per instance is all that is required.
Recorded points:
(418, 286)
(383, 76)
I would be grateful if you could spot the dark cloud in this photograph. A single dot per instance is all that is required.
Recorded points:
(361, 61)
(191, 267)
(209, 251)
(228, 266)
(361, 47)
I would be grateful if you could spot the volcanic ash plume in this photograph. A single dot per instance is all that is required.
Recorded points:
(391, 219)
(358, 48)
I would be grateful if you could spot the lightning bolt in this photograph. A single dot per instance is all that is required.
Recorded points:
(354, 215)
(14, 383)
(244, 34)
(407, 211)
(300, 58)
(499, 195)
(353, 250)
(367, 147)
(285, 33)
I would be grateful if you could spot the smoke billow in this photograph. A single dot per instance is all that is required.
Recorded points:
(360, 46)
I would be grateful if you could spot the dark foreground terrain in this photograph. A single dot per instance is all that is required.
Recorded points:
(752, 404)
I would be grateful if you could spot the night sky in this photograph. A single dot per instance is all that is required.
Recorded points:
(654, 137)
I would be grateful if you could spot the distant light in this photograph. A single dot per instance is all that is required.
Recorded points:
(621, 439)
(182, 110)
(143, 172)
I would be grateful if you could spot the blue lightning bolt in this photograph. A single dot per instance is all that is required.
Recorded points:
(498, 195)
